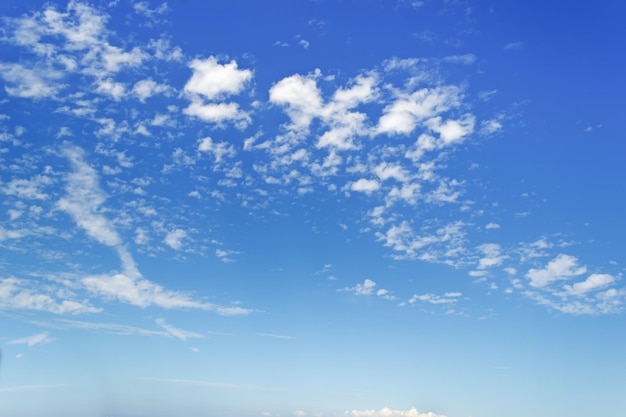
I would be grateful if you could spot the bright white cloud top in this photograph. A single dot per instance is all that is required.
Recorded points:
(310, 209)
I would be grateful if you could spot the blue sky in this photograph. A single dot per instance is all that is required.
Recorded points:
(312, 208)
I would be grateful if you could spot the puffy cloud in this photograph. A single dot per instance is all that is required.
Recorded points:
(218, 112)
(174, 239)
(301, 98)
(403, 115)
(366, 288)
(452, 131)
(29, 189)
(147, 88)
(219, 149)
(593, 282)
(364, 185)
(560, 268)
(108, 87)
(492, 255)
(213, 80)
(36, 83)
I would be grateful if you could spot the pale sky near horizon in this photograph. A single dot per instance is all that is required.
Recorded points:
(312, 208)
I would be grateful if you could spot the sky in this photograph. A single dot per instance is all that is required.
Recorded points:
(312, 208)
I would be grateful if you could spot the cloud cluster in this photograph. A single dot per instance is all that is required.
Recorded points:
(388, 412)
(383, 139)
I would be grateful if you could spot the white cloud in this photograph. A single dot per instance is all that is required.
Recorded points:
(387, 412)
(139, 292)
(84, 199)
(490, 226)
(30, 189)
(143, 8)
(82, 202)
(365, 186)
(213, 80)
(447, 298)
(492, 255)
(301, 98)
(442, 245)
(174, 239)
(36, 339)
(452, 131)
(218, 149)
(178, 333)
(560, 268)
(108, 87)
(366, 288)
(218, 113)
(487, 127)
(403, 115)
(147, 88)
(593, 282)
(21, 294)
(36, 83)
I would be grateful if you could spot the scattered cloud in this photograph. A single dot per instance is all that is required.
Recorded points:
(388, 412)
(560, 268)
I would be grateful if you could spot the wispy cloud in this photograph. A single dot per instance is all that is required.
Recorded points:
(275, 336)
(36, 339)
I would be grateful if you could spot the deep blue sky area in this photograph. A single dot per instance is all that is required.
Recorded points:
(407, 208)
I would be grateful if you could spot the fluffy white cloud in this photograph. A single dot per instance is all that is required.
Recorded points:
(174, 239)
(452, 131)
(365, 186)
(219, 150)
(28, 188)
(108, 87)
(593, 282)
(366, 288)
(403, 115)
(560, 268)
(147, 88)
(492, 255)
(300, 97)
(213, 80)
(218, 112)
(36, 83)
